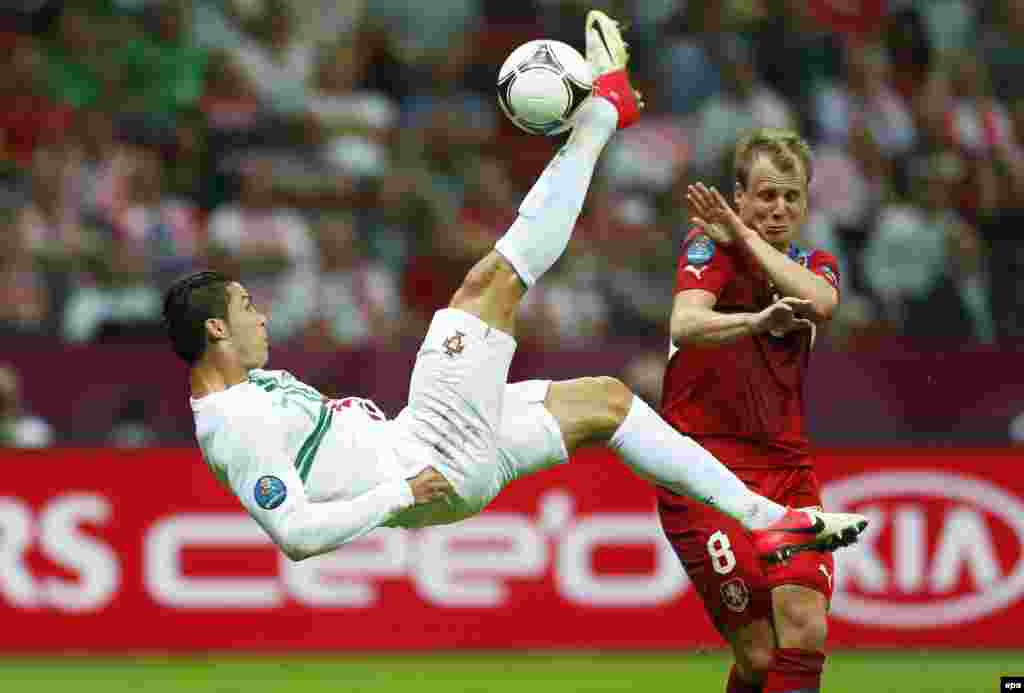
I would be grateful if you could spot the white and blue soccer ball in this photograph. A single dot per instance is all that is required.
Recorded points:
(542, 84)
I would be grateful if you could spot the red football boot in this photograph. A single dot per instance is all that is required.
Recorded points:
(806, 530)
(607, 54)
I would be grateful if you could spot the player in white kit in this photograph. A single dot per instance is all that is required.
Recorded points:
(316, 473)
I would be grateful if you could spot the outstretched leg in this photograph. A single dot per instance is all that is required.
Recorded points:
(458, 383)
(540, 234)
(604, 411)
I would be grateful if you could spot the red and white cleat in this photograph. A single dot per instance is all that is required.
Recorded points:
(806, 530)
(607, 54)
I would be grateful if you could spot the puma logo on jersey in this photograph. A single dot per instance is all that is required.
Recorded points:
(824, 570)
(696, 271)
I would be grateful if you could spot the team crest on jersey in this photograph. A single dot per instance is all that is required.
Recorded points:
(454, 345)
(700, 250)
(735, 594)
(270, 492)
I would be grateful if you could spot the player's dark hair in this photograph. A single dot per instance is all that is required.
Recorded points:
(188, 304)
(786, 149)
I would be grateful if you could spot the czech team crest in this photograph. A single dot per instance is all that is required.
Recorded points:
(735, 594)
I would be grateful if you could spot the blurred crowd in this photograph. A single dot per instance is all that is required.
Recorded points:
(347, 160)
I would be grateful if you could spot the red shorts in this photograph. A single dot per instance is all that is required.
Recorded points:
(719, 558)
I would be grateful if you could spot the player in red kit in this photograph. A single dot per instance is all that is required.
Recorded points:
(747, 304)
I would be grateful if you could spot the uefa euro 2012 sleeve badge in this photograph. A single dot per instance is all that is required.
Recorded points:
(270, 492)
(700, 250)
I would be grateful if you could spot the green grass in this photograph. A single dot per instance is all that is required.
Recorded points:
(850, 672)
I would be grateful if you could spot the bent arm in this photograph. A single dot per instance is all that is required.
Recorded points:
(300, 527)
(793, 279)
(311, 528)
(695, 322)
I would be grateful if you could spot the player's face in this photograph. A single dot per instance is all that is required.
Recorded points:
(247, 327)
(774, 203)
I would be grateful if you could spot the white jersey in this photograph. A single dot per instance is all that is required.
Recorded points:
(316, 473)
(313, 472)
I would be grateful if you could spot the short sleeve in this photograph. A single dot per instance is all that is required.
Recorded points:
(703, 265)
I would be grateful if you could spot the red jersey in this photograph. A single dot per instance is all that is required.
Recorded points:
(750, 389)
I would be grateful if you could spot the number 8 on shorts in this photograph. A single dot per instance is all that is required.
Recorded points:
(723, 560)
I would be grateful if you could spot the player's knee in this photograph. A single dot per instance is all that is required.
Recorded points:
(618, 397)
(477, 281)
(754, 650)
(801, 626)
(491, 290)
(759, 657)
(615, 401)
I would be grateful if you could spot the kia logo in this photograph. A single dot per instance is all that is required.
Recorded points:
(921, 585)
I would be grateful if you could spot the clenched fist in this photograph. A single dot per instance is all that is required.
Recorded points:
(429, 486)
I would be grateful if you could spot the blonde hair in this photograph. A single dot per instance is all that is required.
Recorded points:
(785, 147)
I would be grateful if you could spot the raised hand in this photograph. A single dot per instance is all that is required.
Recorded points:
(713, 214)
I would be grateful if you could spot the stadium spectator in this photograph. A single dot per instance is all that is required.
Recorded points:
(1002, 48)
(851, 182)
(1002, 217)
(24, 299)
(80, 70)
(979, 123)
(269, 245)
(278, 62)
(28, 116)
(353, 300)
(160, 229)
(743, 103)
(94, 150)
(865, 100)
(230, 102)
(400, 216)
(19, 429)
(118, 300)
(687, 61)
(950, 25)
(633, 272)
(161, 66)
(796, 54)
(571, 309)
(424, 33)
(926, 264)
(357, 123)
(51, 220)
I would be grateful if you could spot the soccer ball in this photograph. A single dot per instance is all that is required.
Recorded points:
(542, 84)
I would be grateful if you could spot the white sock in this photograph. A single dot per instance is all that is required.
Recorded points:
(660, 454)
(547, 216)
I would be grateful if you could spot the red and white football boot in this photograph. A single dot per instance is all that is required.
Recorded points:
(806, 530)
(607, 54)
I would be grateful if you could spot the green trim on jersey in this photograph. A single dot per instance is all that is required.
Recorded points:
(289, 387)
(270, 384)
(307, 453)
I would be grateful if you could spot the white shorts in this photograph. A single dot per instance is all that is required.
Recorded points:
(464, 420)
